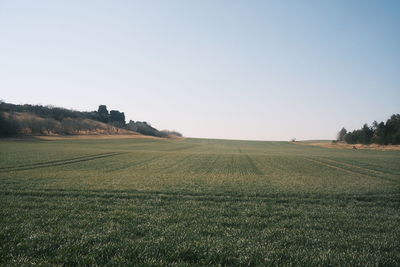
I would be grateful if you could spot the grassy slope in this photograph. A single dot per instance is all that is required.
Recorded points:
(96, 127)
(197, 201)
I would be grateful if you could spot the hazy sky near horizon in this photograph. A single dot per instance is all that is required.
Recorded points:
(261, 70)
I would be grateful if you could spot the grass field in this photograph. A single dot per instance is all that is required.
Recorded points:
(196, 202)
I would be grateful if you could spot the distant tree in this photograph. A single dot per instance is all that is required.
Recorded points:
(8, 125)
(341, 134)
(168, 133)
(143, 128)
(351, 138)
(117, 117)
(49, 126)
(93, 115)
(36, 126)
(102, 110)
(365, 135)
(393, 130)
(379, 130)
(103, 114)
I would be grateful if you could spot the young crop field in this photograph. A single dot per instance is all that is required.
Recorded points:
(196, 202)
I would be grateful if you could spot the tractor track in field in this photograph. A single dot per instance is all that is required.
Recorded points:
(349, 171)
(253, 166)
(178, 162)
(359, 167)
(211, 166)
(389, 197)
(53, 161)
(180, 148)
(136, 163)
(60, 162)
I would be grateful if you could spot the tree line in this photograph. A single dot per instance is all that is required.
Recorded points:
(38, 119)
(383, 133)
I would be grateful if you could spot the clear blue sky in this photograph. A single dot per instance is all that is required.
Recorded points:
(268, 70)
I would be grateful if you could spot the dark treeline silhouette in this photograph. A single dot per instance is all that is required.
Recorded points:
(113, 117)
(8, 127)
(379, 133)
(38, 119)
(143, 128)
(167, 133)
(146, 129)
(56, 113)
(16, 123)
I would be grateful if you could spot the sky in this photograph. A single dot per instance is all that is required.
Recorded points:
(256, 70)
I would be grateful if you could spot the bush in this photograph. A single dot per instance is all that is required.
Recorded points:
(8, 125)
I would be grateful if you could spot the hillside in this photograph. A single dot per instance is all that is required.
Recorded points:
(49, 120)
(31, 124)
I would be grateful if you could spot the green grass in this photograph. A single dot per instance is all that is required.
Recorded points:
(197, 202)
